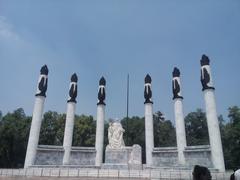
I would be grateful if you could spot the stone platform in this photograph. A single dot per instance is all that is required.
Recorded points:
(123, 158)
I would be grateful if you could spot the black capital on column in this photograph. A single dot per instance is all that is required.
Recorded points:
(43, 82)
(101, 91)
(205, 74)
(175, 84)
(73, 89)
(147, 89)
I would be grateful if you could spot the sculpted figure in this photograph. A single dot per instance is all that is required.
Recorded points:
(176, 88)
(115, 135)
(147, 89)
(73, 89)
(42, 82)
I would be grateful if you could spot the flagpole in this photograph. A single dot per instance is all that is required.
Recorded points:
(127, 104)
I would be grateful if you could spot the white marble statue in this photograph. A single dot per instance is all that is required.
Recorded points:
(115, 135)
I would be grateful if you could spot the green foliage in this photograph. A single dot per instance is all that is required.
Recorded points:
(196, 128)
(14, 131)
(134, 132)
(52, 129)
(231, 139)
(84, 131)
(164, 131)
(15, 127)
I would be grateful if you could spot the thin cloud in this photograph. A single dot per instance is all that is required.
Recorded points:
(7, 30)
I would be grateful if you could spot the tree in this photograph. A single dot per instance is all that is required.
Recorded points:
(14, 131)
(231, 139)
(84, 131)
(52, 129)
(135, 133)
(0, 115)
(164, 131)
(196, 128)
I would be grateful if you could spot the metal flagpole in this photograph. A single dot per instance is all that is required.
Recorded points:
(127, 104)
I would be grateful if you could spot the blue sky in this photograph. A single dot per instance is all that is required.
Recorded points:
(113, 38)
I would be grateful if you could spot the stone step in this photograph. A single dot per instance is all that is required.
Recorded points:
(106, 173)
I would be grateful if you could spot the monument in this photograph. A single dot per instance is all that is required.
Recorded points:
(211, 112)
(71, 107)
(148, 120)
(117, 155)
(115, 135)
(179, 117)
(37, 117)
(100, 122)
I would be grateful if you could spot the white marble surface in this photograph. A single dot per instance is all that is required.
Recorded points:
(213, 130)
(149, 132)
(115, 135)
(180, 129)
(34, 131)
(68, 133)
(100, 134)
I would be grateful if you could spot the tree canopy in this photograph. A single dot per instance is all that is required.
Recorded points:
(15, 127)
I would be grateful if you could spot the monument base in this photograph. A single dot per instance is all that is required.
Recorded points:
(123, 158)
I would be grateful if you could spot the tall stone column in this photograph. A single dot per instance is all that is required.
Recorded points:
(148, 120)
(71, 107)
(211, 113)
(36, 118)
(100, 122)
(179, 117)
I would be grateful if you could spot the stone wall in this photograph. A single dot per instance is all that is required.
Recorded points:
(200, 155)
(53, 156)
(165, 157)
(49, 155)
(194, 155)
(83, 156)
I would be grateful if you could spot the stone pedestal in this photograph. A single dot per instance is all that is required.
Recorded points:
(34, 131)
(124, 158)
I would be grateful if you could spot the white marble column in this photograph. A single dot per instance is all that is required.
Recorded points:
(149, 139)
(211, 113)
(214, 130)
(149, 133)
(68, 133)
(100, 134)
(100, 122)
(36, 119)
(180, 130)
(179, 117)
(69, 124)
